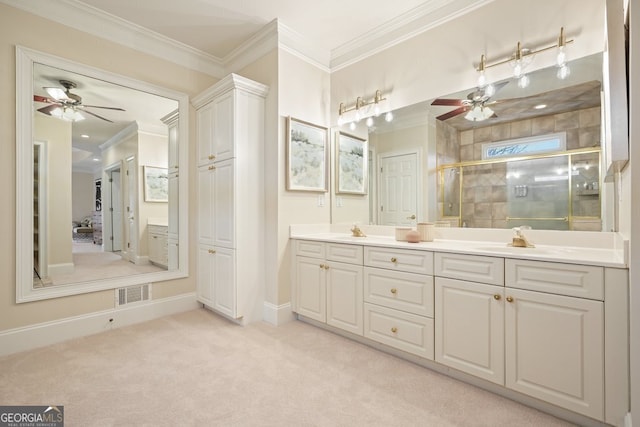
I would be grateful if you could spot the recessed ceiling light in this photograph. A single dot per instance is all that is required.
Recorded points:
(84, 135)
(95, 159)
(540, 106)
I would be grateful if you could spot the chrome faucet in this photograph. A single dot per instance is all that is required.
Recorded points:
(356, 232)
(519, 240)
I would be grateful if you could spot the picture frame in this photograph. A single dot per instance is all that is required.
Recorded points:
(307, 154)
(352, 161)
(156, 184)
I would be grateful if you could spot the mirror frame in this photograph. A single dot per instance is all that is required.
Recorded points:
(25, 292)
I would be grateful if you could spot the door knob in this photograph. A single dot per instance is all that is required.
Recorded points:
(412, 217)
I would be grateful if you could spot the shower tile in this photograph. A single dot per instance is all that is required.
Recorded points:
(590, 117)
(482, 210)
(466, 153)
(521, 129)
(482, 134)
(466, 137)
(481, 223)
(542, 125)
(573, 139)
(568, 120)
(483, 194)
(500, 132)
(590, 136)
(499, 193)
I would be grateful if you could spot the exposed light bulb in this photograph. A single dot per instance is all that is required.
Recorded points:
(517, 69)
(369, 121)
(376, 110)
(490, 90)
(563, 72)
(357, 117)
(340, 120)
(561, 59)
(352, 125)
(482, 79)
(523, 81)
(389, 116)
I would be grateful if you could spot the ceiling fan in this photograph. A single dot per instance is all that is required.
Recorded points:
(475, 105)
(66, 105)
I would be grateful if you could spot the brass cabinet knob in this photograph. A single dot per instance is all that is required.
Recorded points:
(322, 265)
(394, 329)
(211, 251)
(497, 297)
(394, 260)
(394, 291)
(326, 267)
(509, 299)
(212, 168)
(211, 157)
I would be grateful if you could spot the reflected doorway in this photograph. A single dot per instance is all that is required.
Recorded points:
(398, 178)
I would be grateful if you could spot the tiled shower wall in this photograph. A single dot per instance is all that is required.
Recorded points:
(484, 196)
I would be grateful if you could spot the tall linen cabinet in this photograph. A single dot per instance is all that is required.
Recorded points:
(231, 205)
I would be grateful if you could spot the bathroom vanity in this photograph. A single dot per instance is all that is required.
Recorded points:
(548, 323)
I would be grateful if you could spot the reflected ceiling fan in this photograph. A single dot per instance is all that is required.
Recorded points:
(475, 105)
(66, 105)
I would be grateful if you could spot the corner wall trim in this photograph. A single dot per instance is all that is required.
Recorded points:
(277, 314)
(47, 333)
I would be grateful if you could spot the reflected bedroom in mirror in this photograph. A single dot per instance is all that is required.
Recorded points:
(104, 179)
(517, 153)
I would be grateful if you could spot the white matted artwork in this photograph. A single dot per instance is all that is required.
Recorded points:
(351, 164)
(307, 153)
(156, 184)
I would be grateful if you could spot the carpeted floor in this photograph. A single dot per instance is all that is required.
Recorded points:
(197, 369)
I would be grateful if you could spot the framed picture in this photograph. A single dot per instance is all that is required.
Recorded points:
(307, 154)
(156, 184)
(351, 164)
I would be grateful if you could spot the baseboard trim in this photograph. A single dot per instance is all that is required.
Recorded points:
(63, 268)
(277, 314)
(47, 333)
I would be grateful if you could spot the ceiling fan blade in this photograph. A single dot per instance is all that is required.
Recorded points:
(57, 93)
(95, 115)
(39, 98)
(107, 108)
(453, 113)
(448, 102)
(48, 109)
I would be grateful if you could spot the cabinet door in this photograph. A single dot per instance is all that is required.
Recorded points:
(223, 126)
(204, 278)
(224, 282)
(224, 205)
(204, 123)
(554, 349)
(173, 205)
(311, 288)
(469, 328)
(173, 148)
(206, 204)
(344, 296)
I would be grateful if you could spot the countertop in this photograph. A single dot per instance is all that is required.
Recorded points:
(565, 254)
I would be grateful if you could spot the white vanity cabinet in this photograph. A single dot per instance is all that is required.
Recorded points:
(398, 295)
(230, 212)
(158, 244)
(329, 284)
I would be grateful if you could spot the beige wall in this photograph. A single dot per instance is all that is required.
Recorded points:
(20, 28)
(82, 195)
(57, 136)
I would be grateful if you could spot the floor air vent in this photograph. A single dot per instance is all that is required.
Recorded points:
(133, 294)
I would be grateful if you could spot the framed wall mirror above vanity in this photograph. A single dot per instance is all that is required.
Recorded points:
(78, 126)
(456, 182)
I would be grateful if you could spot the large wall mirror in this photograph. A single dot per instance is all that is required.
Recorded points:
(100, 202)
(535, 160)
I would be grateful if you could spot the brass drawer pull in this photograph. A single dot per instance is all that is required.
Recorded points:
(497, 297)
(394, 291)
(509, 299)
(394, 260)
(211, 157)
(394, 329)
(211, 251)
(212, 168)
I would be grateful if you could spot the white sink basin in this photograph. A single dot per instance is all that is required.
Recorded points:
(516, 250)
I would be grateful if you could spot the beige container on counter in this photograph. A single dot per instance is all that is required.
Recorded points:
(426, 231)
(401, 233)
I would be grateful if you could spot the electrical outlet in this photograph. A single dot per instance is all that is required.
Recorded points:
(320, 200)
(339, 201)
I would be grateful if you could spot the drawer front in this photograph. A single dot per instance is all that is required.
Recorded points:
(420, 262)
(470, 267)
(404, 331)
(403, 291)
(351, 254)
(310, 248)
(584, 281)
(157, 229)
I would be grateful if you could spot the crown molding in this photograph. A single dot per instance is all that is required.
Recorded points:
(89, 19)
(410, 24)
(261, 43)
(231, 81)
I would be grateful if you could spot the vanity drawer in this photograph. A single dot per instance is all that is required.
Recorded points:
(584, 281)
(404, 331)
(351, 254)
(403, 291)
(470, 267)
(420, 262)
(157, 229)
(310, 248)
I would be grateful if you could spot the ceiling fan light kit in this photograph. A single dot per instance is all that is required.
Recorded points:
(362, 109)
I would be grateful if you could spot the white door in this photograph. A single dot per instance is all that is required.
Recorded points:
(469, 325)
(398, 189)
(224, 282)
(131, 231)
(311, 288)
(345, 296)
(116, 210)
(554, 349)
(204, 280)
(224, 208)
